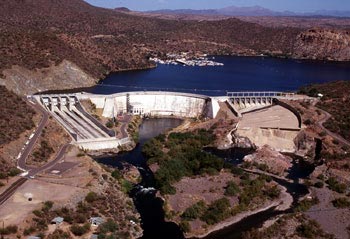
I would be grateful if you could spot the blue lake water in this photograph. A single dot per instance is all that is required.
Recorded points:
(238, 74)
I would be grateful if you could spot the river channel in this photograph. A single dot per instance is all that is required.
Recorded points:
(150, 206)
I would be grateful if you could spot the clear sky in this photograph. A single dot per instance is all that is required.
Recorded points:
(277, 5)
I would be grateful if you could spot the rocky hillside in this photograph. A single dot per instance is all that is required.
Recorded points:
(323, 44)
(69, 43)
(16, 117)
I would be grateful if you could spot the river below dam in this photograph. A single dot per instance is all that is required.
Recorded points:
(150, 206)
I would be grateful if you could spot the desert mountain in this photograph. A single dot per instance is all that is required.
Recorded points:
(251, 11)
(50, 44)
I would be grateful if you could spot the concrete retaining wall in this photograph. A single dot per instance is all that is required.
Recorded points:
(291, 108)
(101, 144)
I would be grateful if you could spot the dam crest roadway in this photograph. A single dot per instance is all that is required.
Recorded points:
(89, 133)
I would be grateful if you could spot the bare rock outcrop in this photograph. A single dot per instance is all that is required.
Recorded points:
(276, 162)
(323, 44)
(66, 75)
(305, 145)
(242, 142)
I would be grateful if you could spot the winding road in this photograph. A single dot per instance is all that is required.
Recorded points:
(320, 123)
(27, 151)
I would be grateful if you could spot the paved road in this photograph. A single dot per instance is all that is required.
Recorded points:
(50, 164)
(125, 122)
(320, 123)
(28, 149)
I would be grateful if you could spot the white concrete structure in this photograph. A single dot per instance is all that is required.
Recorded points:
(153, 103)
(88, 133)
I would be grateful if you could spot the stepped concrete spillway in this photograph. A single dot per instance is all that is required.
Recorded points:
(89, 133)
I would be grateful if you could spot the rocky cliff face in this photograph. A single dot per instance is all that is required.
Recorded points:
(323, 44)
(66, 75)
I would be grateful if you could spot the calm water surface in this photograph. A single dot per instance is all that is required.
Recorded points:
(238, 74)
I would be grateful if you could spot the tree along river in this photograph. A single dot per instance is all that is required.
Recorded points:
(237, 74)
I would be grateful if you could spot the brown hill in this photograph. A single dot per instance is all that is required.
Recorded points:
(43, 33)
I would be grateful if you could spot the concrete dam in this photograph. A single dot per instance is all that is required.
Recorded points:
(89, 133)
(154, 104)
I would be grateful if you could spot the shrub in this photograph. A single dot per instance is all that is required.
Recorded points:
(110, 123)
(194, 211)
(78, 230)
(336, 186)
(116, 174)
(319, 184)
(108, 226)
(306, 204)
(91, 197)
(341, 202)
(217, 211)
(273, 192)
(307, 122)
(11, 229)
(13, 172)
(185, 226)
(47, 206)
(237, 171)
(309, 229)
(126, 186)
(231, 189)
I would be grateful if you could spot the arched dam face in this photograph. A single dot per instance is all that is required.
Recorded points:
(155, 104)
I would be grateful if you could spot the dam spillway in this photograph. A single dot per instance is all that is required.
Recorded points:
(89, 133)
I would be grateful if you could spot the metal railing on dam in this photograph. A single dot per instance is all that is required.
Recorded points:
(259, 94)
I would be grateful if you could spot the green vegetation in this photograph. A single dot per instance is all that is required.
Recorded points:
(341, 202)
(195, 211)
(59, 234)
(185, 226)
(108, 229)
(319, 184)
(282, 228)
(43, 153)
(110, 123)
(11, 229)
(116, 174)
(126, 186)
(336, 186)
(306, 204)
(217, 211)
(184, 157)
(91, 197)
(309, 229)
(231, 189)
(13, 172)
(78, 230)
(251, 193)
